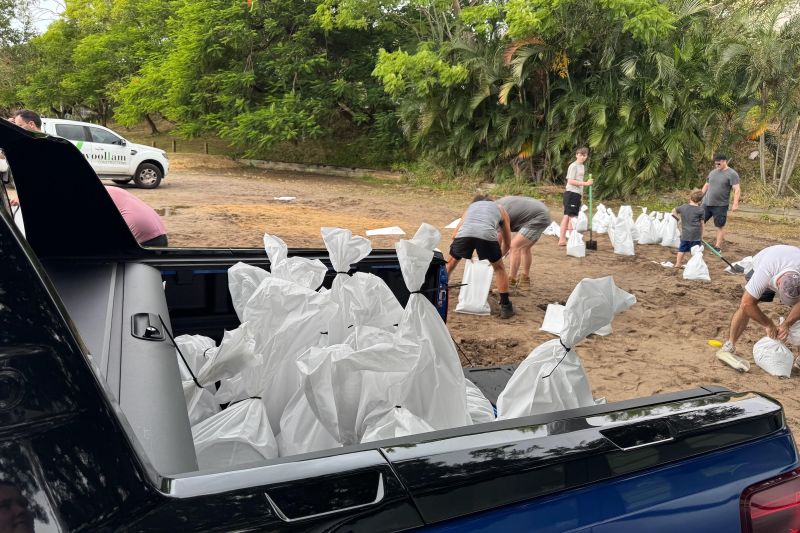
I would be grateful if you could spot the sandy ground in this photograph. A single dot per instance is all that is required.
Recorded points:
(660, 345)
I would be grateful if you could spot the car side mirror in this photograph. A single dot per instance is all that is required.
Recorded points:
(123, 142)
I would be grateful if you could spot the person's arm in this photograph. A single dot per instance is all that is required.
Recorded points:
(704, 190)
(737, 192)
(749, 305)
(505, 229)
(458, 227)
(791, 319)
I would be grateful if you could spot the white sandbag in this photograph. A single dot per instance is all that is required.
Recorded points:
(200, 403)
(195, 350)
(398, 422)
(553, 230)
(301, 430)
(552, 377)
(231, 390)
(794, 333)
(344, 250)
(285, 319)
(391, 230)
(437, 391)
(242, 282)
(235, 354)
(746, 263)
(620, 234)
(582, 221)
(473, 297)
(308, 273)
(773, 356)
(453, 225)
(345, 387)
(240, 434)
(575, 245)
(553, 319)
(478, 406)
(670, 236)
(600, 219)
(696, 267)
(370, 302)
(362, 337)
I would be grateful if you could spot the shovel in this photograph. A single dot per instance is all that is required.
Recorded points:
(592, 244)
(734, 268)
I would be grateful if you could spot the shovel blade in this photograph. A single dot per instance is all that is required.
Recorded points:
(591, 245)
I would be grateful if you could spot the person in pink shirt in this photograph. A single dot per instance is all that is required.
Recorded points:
(144, 223)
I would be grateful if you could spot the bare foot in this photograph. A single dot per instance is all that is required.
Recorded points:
(562, 243)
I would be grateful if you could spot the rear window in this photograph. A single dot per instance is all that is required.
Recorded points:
(71, 132)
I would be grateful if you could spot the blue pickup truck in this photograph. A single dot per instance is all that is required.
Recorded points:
(94, 433)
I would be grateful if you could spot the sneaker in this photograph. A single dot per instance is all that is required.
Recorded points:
(524, 282)
(506, 310)
(728, 347)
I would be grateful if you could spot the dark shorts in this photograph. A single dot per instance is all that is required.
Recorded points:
(686, 246)
(463, 247)
(572, 203)
(768, 295)
(720, 214)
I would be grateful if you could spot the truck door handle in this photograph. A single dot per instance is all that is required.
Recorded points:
(632, 436)
(145, 326)
(350, 502)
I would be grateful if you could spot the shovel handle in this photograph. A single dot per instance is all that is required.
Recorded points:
(718, 254)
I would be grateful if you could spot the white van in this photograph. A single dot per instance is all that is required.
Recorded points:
(111, 156)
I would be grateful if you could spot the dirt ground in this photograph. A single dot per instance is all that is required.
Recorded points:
(659, 345)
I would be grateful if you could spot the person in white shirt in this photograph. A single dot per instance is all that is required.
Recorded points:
(776, 270)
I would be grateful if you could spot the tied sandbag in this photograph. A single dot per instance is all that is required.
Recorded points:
(473, 297)
(696, 268)
(345, 388)
(398, 422)
(773, 356)
(626, 212)
(200, 403)
(552, 377)
(478, 406)
(600, 220)
(575, 245)
(363, 299)
(301, 430)
(242, 282)
(553, 230)
(437, 381)
(670, 236)
(581, 221)
(620, 234)
(195, 349)
(554, 322)
(235, 355)
(240, 434)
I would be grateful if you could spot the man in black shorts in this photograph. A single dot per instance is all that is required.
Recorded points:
(573, 195)
(717, 191)
(477, 232)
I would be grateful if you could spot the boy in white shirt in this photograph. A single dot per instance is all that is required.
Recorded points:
(573, 195)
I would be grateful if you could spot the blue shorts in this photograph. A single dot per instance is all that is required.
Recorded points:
(686, 246)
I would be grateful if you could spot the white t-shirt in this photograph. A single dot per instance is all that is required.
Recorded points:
(769, 264)
(575, 172)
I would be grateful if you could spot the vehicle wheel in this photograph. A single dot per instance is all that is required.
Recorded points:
(122, 182)
(148, 176)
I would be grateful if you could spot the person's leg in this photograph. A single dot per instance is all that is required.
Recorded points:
(452, 263)
(739, 322)
(517, 252)
(720, 220)
(459, 248)
(679, 260)
(527, 259)
(562, 236)
(490, 250)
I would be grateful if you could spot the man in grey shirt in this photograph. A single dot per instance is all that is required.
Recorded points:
(717, 191)
(528, 218)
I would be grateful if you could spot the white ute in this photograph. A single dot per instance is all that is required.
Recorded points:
(111, 156)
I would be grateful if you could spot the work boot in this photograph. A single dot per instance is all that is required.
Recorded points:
(524, 282)
(506, 310)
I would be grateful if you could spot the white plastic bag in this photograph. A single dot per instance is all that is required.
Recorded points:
(242, 282)
(746, 263)
(773, 356)
(478, 406)
(552, 377)
(240, 434)
(301, 430)
(553, 230)
(235, 354)
(600, 219)
(696, 267)
(670, 236)
(582, 222)
(575, 245)
(397, 422)
(437, 383)
(620, 234)
(195, 349)
(200, 403)
(473, 297)
(553, 319)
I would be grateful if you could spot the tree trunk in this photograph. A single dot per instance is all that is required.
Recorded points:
(761, 155)
(775, 166)
(153, 129)
(789, 158)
